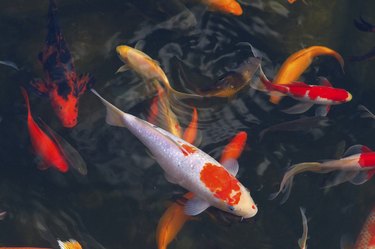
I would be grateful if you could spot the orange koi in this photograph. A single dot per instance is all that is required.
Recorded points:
(234, 149)
(224, 6)
(298, 62)
(366, 238)
(190, 133)
(52, 150)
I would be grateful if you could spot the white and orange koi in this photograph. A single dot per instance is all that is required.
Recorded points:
(148, 68)
(213, 184)
(356, 166)
(70, 244)
(308, 95)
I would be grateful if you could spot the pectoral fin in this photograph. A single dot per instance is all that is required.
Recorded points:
(356, 149)
(171, 179)
(299, 108)
(195, 206)
(322, 111)
(122, 69)
(232, 166)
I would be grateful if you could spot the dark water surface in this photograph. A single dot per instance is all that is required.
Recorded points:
(118, 204)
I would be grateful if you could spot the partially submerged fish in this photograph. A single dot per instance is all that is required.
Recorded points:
(297, 63)
(184, 164)
(51, 149)
(61, 83)
(308, 95)
(174, 217)
(356, 166)
(233, 81)
(146, 67)
(224, 6)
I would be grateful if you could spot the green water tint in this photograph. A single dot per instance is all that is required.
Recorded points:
(119, 202)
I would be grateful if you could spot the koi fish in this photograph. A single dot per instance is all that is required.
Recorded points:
(61, 83)
(3, 214)
(224, 6)
(366, 112)
(51, 149)
(70, 244)
(292, 1)
(297, 63)
(172, 221)
(174, 217)
(366, 238)
(146, 67)
(356, 166)
(303, 239)
(308, 95)
(233, 81)
(186, 165)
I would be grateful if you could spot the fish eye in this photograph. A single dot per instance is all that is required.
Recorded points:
(231, 208)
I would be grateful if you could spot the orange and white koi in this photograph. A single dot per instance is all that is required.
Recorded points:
(297, 63)
(174, 217)
(224, 6)
(356, 166)
(308, 95)
(184, 164)
(148, 68)
(51, 149)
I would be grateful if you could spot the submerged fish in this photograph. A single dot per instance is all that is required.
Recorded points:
(184, 164)
(70, 244)
(366, 112)
(233, 81)
(308, 95)
(302, 241)
(297, 63)
(174, 217)
(52, 150)
(172, 221)
(224, 6)
(356, 166)
(366, 238)
(61, 83)
(305, 124)
(364, 26)
(146, 67)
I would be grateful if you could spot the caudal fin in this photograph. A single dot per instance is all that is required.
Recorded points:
(287, 181)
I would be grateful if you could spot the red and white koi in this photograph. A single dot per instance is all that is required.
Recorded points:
(213, 184)
(356, 166)
(308, 95)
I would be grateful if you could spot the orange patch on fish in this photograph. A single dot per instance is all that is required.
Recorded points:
(221, 183)
(188, 150)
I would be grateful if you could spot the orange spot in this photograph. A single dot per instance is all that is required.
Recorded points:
(221, 183)
(188, 150)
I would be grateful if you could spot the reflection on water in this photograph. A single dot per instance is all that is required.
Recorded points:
(121, 199)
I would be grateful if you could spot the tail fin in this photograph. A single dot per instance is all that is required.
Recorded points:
(70, 244)
(287, 181)
(114, 115)
(26, 97)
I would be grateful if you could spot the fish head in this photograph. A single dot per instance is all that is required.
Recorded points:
(246, 207)
(66, 108)
(123, 51)
(234, 8)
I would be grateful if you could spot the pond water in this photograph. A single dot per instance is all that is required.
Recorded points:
(119, 202)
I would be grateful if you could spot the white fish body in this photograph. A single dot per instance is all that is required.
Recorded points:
(189, 167)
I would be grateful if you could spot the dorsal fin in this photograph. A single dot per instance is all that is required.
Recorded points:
(356, 149)
(323, 81)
